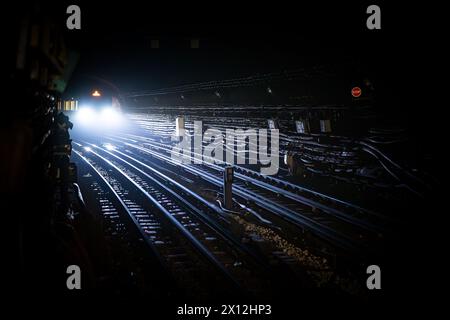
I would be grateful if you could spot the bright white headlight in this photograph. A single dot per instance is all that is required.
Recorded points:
(110, 116)
(86, 115)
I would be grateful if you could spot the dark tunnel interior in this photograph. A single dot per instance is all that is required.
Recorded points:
(220, 159)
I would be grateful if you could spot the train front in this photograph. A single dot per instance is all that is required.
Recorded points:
(99, 111)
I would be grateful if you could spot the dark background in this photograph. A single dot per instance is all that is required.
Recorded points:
(235, 40)
(240, 39)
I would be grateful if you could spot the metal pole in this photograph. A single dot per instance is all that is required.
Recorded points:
(228, 187)
(179, 130)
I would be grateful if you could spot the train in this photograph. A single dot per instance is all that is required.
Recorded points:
(99, 109)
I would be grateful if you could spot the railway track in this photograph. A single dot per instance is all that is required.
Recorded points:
(191, 217)
(192, 264)
(340, 155)
(357, 214)
(119, 220)
(346, 229)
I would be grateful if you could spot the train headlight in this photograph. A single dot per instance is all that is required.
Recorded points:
(110, 117)
(86, 115)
